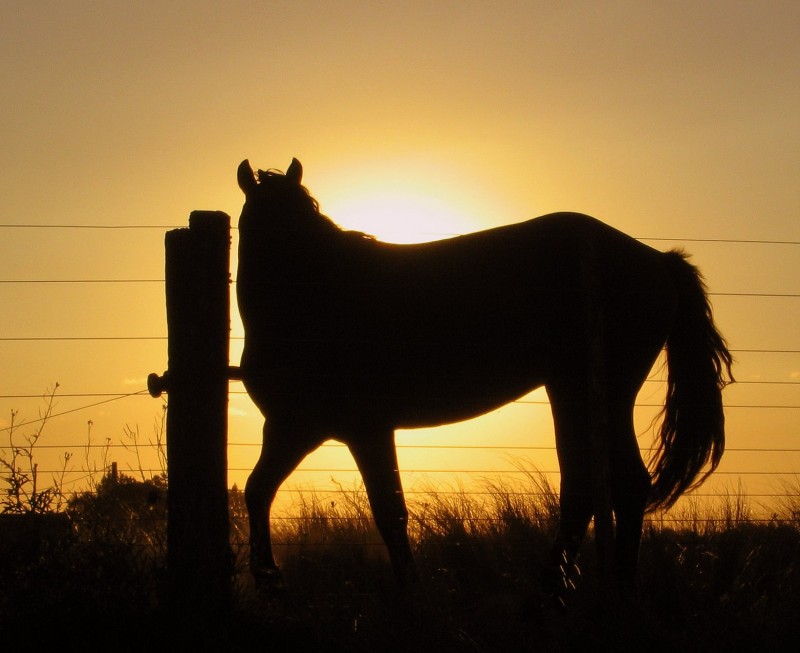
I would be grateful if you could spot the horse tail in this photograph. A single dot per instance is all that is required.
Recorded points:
(699, 365)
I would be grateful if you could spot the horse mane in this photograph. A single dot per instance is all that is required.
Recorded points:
(308, 205)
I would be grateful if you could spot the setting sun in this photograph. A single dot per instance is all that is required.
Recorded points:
(404, 198)
(399, 215)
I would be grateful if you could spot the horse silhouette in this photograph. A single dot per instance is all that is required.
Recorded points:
(350, 338)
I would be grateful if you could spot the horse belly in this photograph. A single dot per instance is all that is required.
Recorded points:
(429, 386)
(448, 407)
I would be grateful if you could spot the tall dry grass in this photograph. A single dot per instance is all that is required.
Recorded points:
(717, 579)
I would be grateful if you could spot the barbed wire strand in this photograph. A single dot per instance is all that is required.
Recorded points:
(71, 410)
(144, 392)
(244, 392)
(422, 447)
(737, 241)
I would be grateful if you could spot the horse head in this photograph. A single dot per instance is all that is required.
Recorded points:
(277, 201)
(249, 183)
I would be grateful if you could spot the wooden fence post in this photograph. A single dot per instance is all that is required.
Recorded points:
(199, 557)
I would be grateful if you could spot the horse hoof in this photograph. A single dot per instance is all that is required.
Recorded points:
(269, 580)
(559, 582)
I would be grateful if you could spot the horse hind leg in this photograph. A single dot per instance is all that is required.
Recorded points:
(571, 421)
(630, 489)
(627, 487)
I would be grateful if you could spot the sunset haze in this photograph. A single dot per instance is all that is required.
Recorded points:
(675, 122)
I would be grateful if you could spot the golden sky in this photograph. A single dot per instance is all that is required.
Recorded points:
(414, 120)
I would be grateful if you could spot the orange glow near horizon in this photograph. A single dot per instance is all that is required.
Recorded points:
(413, 121)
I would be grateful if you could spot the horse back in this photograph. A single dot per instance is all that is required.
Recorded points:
(420, 327)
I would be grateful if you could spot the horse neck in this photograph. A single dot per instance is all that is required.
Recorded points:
(292, 255)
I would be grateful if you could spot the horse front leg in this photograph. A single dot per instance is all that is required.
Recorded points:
(281, 453)
(376, 458)
(570, 416)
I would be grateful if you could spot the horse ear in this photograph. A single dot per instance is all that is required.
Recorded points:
(295, 171)
(246, 178)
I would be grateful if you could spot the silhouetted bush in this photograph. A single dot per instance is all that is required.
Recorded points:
(715, 584)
